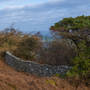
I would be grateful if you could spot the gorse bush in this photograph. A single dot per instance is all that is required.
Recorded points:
(28, 48)
(21, 45)
(81, 68)
(78, 30)
(9, 40)
(77, 23)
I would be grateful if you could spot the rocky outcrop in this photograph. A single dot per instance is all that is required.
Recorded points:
(33, 67)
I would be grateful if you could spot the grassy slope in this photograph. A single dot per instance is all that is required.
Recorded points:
(13, 80)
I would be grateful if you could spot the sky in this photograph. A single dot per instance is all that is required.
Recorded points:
(39, 15)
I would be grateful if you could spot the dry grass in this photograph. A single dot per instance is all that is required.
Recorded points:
(13, 80)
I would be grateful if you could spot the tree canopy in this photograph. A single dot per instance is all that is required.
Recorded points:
(77, 28)
(77, 23)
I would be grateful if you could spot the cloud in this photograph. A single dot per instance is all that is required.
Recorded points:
(40, 16)
(12, 4)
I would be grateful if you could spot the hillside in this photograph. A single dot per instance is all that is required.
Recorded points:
(13, 80)
(73, 50)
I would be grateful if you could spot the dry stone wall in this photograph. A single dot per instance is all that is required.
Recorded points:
(33, 67)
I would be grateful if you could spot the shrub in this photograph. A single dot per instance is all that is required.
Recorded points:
(56, 52)
(9, 40)
(28, 47)
(22, 45)
(81, 68)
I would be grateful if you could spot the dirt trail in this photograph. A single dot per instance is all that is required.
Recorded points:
(13, 80)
